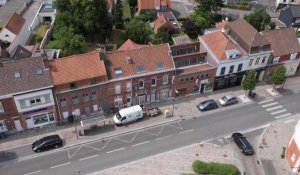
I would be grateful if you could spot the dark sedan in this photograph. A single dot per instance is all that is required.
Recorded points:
(47, 143)
(208, 105)
(242, 143)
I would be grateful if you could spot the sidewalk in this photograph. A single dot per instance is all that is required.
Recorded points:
(188, 103)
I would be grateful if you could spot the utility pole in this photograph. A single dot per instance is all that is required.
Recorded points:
(75, 127)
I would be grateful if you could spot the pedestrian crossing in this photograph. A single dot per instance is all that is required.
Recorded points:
(274, 108)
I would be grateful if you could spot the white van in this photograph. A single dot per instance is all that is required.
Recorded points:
(128, 115)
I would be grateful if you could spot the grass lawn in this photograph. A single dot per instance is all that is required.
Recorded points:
(39, 34)
(126, 10)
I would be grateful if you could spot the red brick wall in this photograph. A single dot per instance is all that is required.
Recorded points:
(10, 111)
(284, 57)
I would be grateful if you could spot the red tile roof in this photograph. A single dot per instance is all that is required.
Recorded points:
(151, 4)
(219, 43)
(129, 44)
(147, 56)
(160, 22)
(221, 25)
(77, 67)
(15, 23)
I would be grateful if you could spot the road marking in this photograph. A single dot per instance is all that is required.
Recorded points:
(141, 143)
(282, 116)
(270, 104)
(60, 165)
(289, 121)
(160, 138)
(33, 172)
(276, 107)
(89, 157)
(115, 150)
(277, 112)
(265, 101)
(186, 131)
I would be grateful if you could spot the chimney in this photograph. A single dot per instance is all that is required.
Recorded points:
(102, 54)
(46, 64)
(129, 60)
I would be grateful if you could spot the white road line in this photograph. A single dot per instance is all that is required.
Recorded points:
(289, 121)
(265, 101)
(270, 104)
(277, 112)
(276, 107)
(186, 131)
(60, 165)
(141, 143)
(160, 138)
(115, 150)
(89, 157)
(282, 116)
(33, 172)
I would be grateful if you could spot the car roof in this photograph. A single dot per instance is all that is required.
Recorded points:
(52, 137)
(229, 96)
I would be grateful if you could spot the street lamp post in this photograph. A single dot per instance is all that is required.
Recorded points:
(75, 126)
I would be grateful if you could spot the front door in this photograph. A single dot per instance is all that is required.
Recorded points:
(29, 123)
(18, 124)
(128, 100)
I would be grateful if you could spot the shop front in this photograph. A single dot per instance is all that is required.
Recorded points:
(40, 117)
(230, 80)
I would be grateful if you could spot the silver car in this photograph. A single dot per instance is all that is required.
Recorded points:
(228, 100)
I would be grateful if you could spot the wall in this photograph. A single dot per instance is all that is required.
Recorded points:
(11, 36)
(235, 63)
(261, 56)
(10, 111)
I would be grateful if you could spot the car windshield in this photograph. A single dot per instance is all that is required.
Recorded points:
(225, 98)
(246, 143)
(118, 116)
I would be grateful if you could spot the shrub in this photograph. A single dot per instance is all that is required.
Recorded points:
(214, 168)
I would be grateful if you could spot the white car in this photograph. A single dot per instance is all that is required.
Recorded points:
(228, 100)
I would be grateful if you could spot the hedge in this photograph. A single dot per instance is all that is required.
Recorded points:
(214, 168)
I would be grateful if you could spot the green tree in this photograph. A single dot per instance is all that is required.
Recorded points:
(161, 37)
(66, 19)
(210, 5)
(259, 19)
(278, 76)
(249, 81)
(118, 15)
(138, 31)
(202, 20)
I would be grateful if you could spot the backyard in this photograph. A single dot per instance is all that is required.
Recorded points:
(39, 34)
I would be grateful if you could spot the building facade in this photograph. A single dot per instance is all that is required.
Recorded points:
(26, 97)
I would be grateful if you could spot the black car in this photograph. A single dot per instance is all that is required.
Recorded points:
(208, 105)
(46, 143)
(242, 143)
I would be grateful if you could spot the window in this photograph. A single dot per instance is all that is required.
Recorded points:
(206, 75)
(43, 118)
(1, 108)
(223, 71)
(94, 95)
(165, 79)
(118, 102)
(250, 63)
(63, 102)
(93, 81)
(75, 99)
(117, 89)
(160, 65)
(128, 86)
(35, 100)
(72, 85)
(39, 71)
(85, 97)
(257, 61)
(153, 81)
(182, 80)
(263, 61)
(118, 71)
(240, 67)
(231, 69)
(186, 79)
(140, 68)
(141, 84)
(17, 75)
(202, 76)
(191, 78)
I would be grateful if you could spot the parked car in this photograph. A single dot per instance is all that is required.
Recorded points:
(47, 143)
(242, 143)
(228, 100)
(128, 115)
(208, 105)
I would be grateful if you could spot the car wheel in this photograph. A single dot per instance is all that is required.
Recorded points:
(56, 146)
(38, 150)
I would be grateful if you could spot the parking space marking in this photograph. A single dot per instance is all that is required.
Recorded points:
(116, 138)
(282, 116)
(277, 112)
(72, 155)
(34, 172)
(89, 157)
(270, 104)
(115, 150)
(161, 138)
(186, 131)
(140, 143)
(105, 144)
(134, 137)
(92, 148)
(63, 164)
(276, 107)
(179, 126)
(265, 101)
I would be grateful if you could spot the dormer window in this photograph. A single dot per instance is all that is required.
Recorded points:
(140, 68)
(39, 71)
(17, 75)
(118, 71)
(160, 65)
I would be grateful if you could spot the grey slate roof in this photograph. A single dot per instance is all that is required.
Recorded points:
(10, 8)
(182, 39)
(289, 13)
(29, 79)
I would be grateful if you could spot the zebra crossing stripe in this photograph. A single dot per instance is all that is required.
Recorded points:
(282, 116)
(270, 104)
(276, 107)
(265, 101)
(277, 112)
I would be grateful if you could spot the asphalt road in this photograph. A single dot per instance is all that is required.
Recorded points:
(121, 149)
